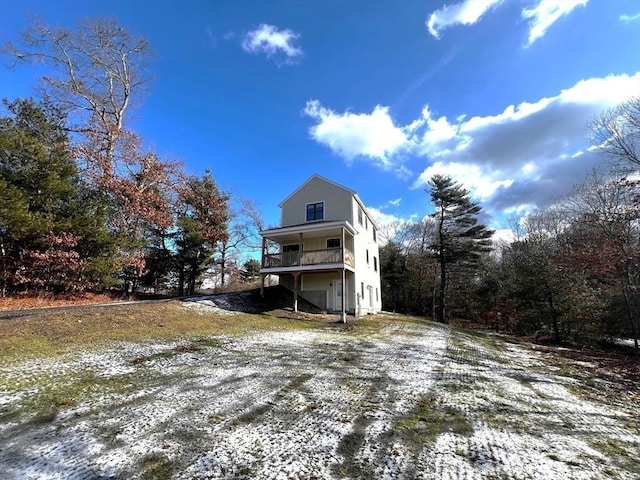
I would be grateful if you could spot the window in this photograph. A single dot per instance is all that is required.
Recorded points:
(360, 215)
(367, 257)
(374, 235)
(315, 211)
(375, 264)
(333, 243)
(366, 223)
(362, 290)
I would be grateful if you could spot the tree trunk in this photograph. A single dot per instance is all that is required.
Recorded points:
(554, 318)
(634, 330)
(442, 314)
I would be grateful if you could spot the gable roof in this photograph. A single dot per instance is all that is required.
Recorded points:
(353, 193)
(312, 177)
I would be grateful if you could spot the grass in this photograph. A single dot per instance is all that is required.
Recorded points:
(463, 398)
(428, 419)
(55, 393)
(44, 336)
(156, 467)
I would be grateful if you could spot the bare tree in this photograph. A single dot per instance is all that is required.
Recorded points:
(100, 72)
(616, 132)
(245, 223)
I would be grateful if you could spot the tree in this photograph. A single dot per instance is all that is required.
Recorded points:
(616, 132)
(102, 69)
(251, 270)
(47, 209)
(460, 240)
(201, 225)
(534, 280)
(605, 213)
(245, 223)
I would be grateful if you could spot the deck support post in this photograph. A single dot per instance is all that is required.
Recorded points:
(295, 291)
(344, 295)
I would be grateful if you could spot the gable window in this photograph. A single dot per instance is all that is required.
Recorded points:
(333, 243)
(315, 211)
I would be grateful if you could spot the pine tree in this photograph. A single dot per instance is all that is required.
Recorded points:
(47, 214)
(460, 239)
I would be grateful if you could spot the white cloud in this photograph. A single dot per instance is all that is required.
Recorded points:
(466, 13)
(388, 224)
(503, 236)
(269, 40)
(629, 18)
(524, 155)
(483, 182)
(527, 153)
(351, 135)
(546, 13)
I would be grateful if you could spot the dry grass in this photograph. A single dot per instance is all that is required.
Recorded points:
(26, 302)
(56, 333)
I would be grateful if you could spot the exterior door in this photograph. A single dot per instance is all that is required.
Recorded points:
(337, 294)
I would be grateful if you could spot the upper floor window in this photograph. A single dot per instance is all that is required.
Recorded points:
(375, 239)
(315, 211)
(360, 215)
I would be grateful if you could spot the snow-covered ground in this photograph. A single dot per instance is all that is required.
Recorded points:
(404, 401)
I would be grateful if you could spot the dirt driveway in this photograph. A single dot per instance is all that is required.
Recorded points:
(399, 401)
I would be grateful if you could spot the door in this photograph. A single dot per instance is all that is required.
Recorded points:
(337, 294)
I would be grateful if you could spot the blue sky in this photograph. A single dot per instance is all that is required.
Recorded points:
(375, 95)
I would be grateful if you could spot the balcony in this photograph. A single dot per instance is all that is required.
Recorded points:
(308, 258)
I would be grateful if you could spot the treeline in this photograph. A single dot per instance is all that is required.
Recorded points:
(572, 272)
(83, 205)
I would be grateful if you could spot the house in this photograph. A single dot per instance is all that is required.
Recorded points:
(326, 249)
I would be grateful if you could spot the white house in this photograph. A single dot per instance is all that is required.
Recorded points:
(326, 249)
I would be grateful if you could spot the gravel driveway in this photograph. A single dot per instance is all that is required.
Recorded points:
(400, 401)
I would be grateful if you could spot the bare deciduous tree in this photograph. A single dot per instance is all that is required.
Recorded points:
(101, 70)
(616, 132)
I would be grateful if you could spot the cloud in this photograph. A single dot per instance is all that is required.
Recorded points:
(483, 182)
(629, 18)
(388, 224)
(528, 153)
(546, 13)
(465, 13)
(513, 160)
(350, 135)
(267, 39)
(541, 15)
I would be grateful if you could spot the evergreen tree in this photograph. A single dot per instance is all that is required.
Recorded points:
(47, 215)
(460, 239)
(251, 270)
(201, 225)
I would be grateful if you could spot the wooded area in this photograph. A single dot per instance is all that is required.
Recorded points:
(83, 204)
(572, 272)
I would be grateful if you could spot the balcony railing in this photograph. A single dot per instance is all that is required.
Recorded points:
(308, 257)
